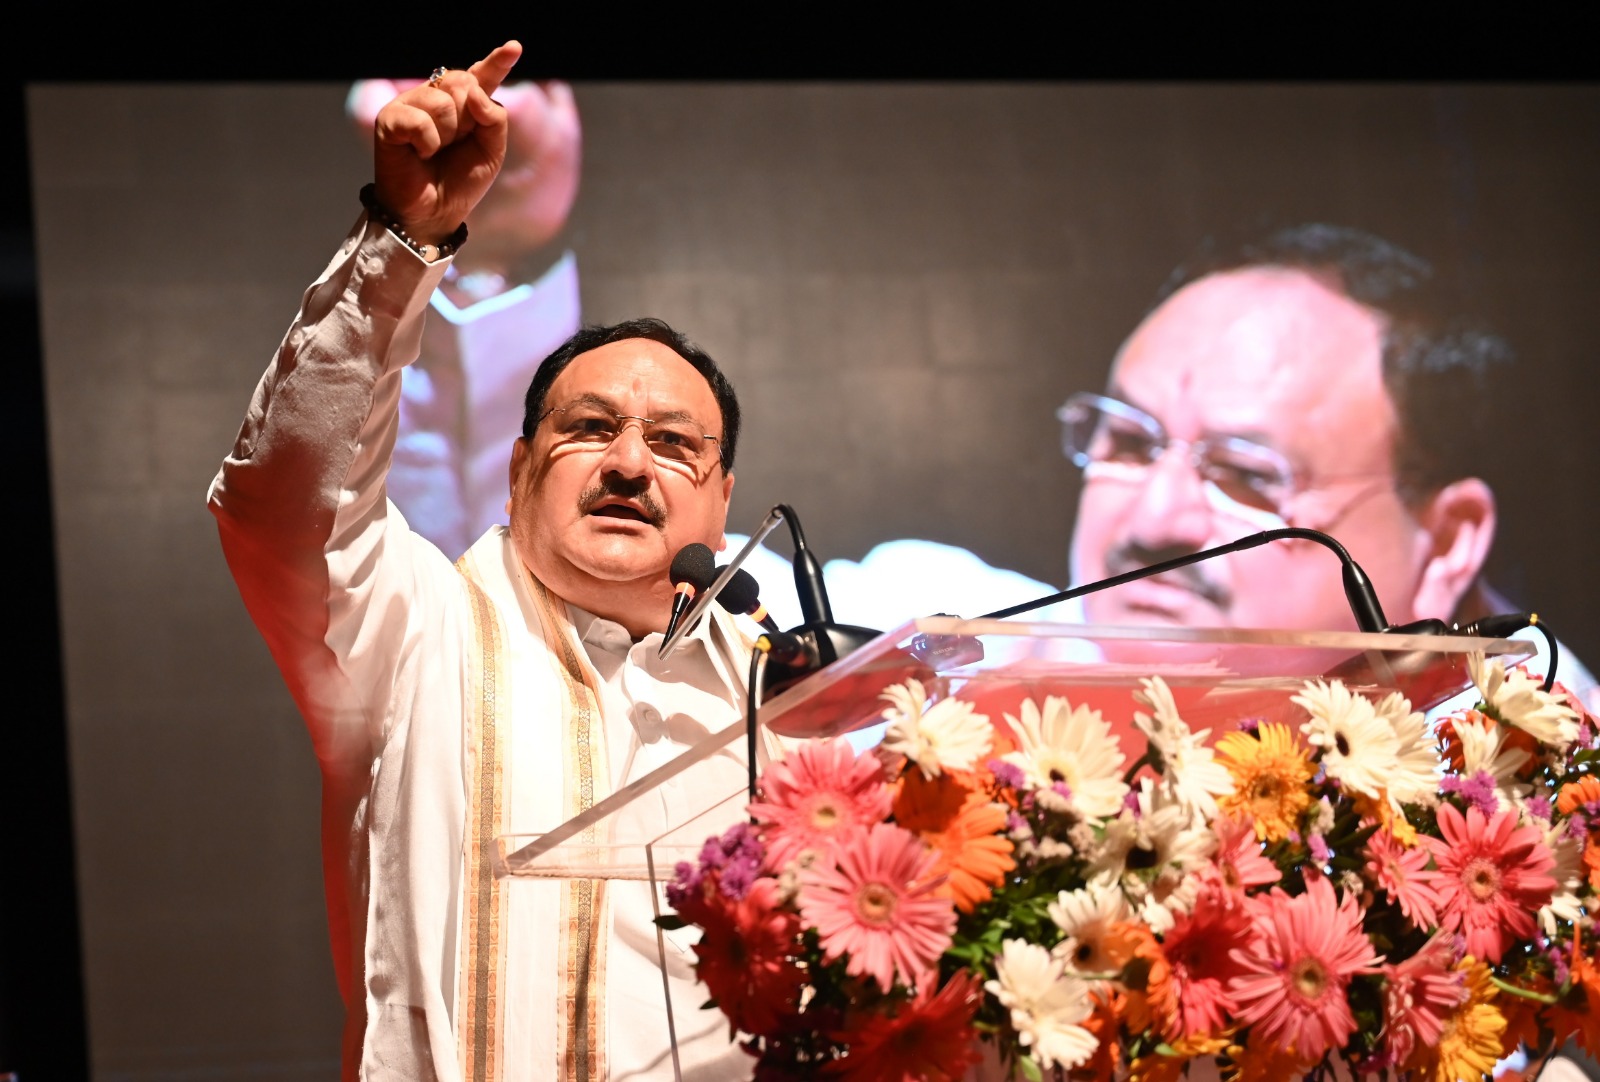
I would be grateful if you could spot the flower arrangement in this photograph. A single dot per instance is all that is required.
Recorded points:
(1356, 894)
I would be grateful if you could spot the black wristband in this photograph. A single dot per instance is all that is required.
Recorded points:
(429, 252)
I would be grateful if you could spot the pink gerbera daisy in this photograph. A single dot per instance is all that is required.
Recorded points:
(1293, 974)
(1493, 877)
(875, 903)
(929, 1039)
(1405, 877)
(1420, 995)
(1239, 860)
(816, 795)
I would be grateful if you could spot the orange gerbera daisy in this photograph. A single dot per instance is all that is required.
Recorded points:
(1591, 860)
(1270, 771)
(1575, 794)
(1147, 976)
(1157, 1067)
(964, 830)
(1262, 1060)
(1524, 1015)
(1109, 1007)
(1585, 1021)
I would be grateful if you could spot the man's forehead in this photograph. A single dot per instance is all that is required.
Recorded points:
(1253, 353)
(1268, 354)
(628, 373)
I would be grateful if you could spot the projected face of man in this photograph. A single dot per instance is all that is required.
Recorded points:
(1274, 357)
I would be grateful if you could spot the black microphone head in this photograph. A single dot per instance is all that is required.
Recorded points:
(694, 564)
(742, 594)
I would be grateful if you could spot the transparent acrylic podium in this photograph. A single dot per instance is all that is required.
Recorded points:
(1218, 679)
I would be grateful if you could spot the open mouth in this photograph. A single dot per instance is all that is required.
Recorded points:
(621, 510)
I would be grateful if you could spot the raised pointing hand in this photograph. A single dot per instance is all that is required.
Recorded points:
(438, 146)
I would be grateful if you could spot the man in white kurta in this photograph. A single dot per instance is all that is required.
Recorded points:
(450, 705)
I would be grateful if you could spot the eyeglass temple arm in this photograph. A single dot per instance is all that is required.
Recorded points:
(1358, 589)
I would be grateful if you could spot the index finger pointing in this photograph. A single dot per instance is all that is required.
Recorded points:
(492, 70)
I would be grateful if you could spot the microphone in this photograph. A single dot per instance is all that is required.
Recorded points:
(823, 641)
(692, 570)
(1358, 591)
(1359, 594)
(742, 595)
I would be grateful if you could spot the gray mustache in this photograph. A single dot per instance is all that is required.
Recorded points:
(1131, 556)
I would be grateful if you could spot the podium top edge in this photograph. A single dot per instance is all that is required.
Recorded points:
(1353, 640)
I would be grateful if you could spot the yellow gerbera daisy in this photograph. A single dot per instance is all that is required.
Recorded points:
(1471, 1042)
(1270, 770)
(1383, 813)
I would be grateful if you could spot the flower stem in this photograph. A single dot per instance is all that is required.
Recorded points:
(1538, 997)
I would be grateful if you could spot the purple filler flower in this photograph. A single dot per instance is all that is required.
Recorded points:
(1477, 791)
(734, 860)
(686, 880)
(1558, 963)
(739, 859)
(1007, 774)
(1130, 801)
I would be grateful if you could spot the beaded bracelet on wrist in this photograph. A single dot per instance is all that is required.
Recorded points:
(429, 252)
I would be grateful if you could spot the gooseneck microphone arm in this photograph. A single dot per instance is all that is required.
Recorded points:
(1357, 587)
(808, 582)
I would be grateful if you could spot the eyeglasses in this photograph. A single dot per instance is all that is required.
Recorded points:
(1108, 438)
(678, 443)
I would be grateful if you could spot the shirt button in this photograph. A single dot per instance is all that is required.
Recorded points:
(647, 719)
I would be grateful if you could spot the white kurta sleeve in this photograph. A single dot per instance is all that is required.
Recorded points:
(338, 586)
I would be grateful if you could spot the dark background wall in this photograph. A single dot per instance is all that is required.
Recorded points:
(903, 279)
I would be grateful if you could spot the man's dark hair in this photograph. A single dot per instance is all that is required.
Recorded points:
(1442, 372)
(595, 336)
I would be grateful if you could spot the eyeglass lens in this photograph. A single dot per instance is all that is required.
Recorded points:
(670, 441)
(1109, 434)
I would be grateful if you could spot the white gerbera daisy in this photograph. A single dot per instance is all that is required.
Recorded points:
(1516, 698)
(1085, 917)
(1416, 776)
(1359, 748)
(1046, 1005)
(1153, 857)
(949, 735)
(1564, 904)
(1483, 751)
(1074, 746)
(1189, 767)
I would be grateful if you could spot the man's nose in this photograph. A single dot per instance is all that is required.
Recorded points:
(628, 454)
(1171, 509)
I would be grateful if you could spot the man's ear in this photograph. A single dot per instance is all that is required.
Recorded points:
(519, 456)
(727, 497)
(1459, 522)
